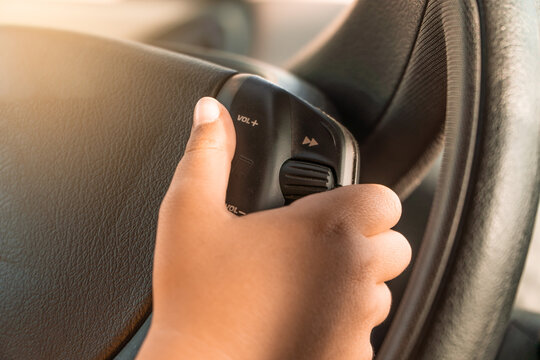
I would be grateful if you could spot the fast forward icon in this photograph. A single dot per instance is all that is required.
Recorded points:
(310, 142)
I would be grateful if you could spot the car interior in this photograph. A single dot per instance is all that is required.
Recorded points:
(437, 99)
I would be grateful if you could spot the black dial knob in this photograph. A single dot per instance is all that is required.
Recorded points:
(300, 178)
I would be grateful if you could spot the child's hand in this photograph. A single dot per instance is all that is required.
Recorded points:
(304, 281)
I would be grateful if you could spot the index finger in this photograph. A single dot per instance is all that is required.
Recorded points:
(367, 208)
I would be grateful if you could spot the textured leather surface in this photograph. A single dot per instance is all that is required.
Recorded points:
(90, 133)
(464, 280)
(409, 135)
(243, 64)
(383, 68)
(69, 213)
(360, 59)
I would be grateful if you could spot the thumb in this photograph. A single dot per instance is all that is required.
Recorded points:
(202, 175)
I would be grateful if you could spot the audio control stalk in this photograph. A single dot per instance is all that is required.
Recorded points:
(285, 148)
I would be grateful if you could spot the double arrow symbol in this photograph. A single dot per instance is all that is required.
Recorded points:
(311, 142)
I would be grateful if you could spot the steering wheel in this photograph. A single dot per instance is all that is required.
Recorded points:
(91, 130)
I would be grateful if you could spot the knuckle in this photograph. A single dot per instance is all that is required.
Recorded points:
(377, 303)
(372, 306)
(386, 299)
(366, 205)
(384, 303)
(403, 248)
(346, 220)
(387, 199)
(204, 137)
(406, 249)
(366, 257)
(198, 145)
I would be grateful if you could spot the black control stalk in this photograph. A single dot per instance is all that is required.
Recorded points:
(285, 148)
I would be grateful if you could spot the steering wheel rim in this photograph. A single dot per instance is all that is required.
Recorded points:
(491, 110)
(457, 304)
(478, 231)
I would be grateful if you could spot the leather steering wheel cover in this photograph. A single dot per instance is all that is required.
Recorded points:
(464, 280)
(91, 131)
